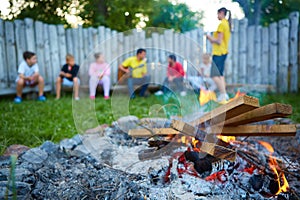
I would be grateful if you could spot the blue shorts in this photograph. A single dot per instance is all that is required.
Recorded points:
(218, 64)
(68, 83)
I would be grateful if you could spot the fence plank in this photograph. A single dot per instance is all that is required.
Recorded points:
(20, 39)
(250, 55)
(108, 44)
(283, 61)
(3, 63)
(265, 56)
(62, 44)
(273, 56)
(53, 38)
(69, 41)
(75, 46)
(228, 67)
(208, 46)
(169, 40)
(293, 51)
(85, 35)
(257, 55)
(235, 51)
(242, 51)
(39, 32)
(47, 57)
(80, 45)
(11, 53)
(114, 56)
(29, 33)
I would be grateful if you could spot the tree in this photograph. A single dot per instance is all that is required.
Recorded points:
(120, 15)
(175, 16)
(265, 12)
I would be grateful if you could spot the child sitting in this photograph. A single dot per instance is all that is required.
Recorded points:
(68, 77)
(99, 74)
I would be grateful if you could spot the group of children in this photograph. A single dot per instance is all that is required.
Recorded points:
(99, 73)
(28, 75)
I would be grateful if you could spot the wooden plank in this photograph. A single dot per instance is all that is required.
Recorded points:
(39, 32)
(233, 108)
(250, 55)
(273, 56)
(242, 71)
(228, 63)
(69, 41)
(235, 51)
(168, 37)
(265, 55)
(155, 131)
(108, 45)
(62, 44)
(85, 35)
(259, 130)
(54, 51)
(75, 47)
(11, 53)
(20, 39)
(283, 56)
(80, 41)
(270, 111)
(257, 56)
(218, 151)
(29, 33)
(208, 44)
(47, 57)
(243, 130)
(8, 91)
(293, 51)
(3, 63)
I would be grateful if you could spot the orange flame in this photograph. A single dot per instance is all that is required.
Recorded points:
(226, 139)
(267, 145)
(282, 182)
(206, 96)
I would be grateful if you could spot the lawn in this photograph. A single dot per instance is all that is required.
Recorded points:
(31, 123)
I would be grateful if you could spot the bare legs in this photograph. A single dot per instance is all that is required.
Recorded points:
(59, 81)
(37, 79)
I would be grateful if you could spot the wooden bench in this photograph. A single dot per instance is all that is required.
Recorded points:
(10, 91)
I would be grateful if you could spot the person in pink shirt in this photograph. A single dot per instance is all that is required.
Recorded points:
(99, 73)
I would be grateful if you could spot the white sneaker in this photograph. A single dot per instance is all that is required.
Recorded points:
(158, 93)
(183, 93)
(223, 97)
(77, 98)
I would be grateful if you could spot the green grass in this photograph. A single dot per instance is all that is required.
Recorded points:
(31, 123)
(292, 99)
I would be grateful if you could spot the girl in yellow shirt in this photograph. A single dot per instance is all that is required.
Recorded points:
(220, 41)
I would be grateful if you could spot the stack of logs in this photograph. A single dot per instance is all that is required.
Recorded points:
(242, 116)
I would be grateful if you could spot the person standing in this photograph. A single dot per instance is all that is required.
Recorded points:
(68, 77)
(220, 41)
(136, 67)
(99, 72)
(29, 76)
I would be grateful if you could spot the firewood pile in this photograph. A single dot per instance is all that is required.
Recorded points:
(212, 138)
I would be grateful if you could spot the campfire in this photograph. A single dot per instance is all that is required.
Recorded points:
(214, 148)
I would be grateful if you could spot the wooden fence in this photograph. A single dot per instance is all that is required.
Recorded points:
(258, 55)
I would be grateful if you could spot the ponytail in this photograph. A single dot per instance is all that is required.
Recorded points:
(225, 11)
(229, 19)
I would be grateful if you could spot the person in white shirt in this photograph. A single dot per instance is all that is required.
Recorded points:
(29, 76)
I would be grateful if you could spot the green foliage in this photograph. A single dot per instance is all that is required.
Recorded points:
(265, 12)
(177, 17)
(120, 15)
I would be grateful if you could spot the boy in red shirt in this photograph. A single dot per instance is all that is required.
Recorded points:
(175, 74)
